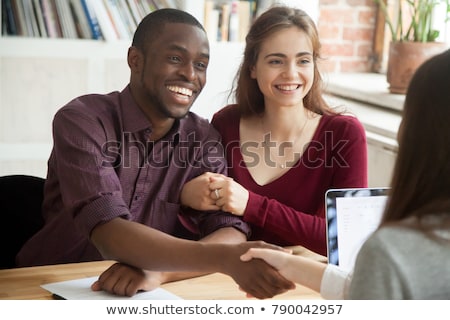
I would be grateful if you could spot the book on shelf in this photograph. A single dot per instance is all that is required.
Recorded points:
(19, 16)
(109, 31)
(8, 20)
(30, 19)
(81, 20)
(245, 13)
(145, 6)
(66, 19)
(112, 7)
(135, 11)
(2, 21)
(140, 8)
(51, 19)
(91, 18)
(229, 20)
(211, 20)
(224, 21)
(40, 18)
(127, 18)
(233, 22)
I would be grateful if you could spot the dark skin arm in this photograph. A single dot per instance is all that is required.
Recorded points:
(149, 249)
(126, 280)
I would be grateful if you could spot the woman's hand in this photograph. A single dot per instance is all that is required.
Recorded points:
(229, 195)
(302, 270)
(279, 259)
(214, 191)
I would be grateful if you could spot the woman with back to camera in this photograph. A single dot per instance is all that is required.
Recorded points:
(284, 145)
(408, 257)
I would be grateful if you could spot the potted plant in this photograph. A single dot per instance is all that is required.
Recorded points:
(413, 40)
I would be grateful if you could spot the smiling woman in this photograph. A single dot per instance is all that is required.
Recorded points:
(283, 73)
(284, 145)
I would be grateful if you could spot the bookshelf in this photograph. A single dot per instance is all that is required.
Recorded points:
(116, 19)
(39, 74)
(224, 20)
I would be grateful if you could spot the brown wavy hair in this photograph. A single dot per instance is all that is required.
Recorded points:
(247, 93)
(421, 178)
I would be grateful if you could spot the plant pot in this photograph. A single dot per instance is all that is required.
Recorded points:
(403, 60)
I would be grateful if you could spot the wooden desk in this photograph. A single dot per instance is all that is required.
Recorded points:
(24, 283)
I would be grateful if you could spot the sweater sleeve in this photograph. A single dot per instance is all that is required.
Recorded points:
(335, 283)
(294, 226)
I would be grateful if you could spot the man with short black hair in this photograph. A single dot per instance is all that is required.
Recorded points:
(119, 163)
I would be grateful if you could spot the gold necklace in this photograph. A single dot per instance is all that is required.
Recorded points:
(267, 144)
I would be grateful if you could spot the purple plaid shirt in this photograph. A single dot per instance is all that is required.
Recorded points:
(103, 166)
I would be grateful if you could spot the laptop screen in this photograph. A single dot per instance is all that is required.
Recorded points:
(351, 216)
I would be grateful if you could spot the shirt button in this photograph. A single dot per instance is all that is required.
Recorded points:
(136, 197)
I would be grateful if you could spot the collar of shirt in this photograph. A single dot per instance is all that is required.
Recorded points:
(135, 121)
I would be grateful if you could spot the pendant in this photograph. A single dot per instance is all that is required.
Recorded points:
(282, 166)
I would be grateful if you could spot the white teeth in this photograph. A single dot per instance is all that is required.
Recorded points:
(180, 90)
(287, 87)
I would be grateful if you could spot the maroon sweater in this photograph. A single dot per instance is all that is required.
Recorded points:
(291, 209)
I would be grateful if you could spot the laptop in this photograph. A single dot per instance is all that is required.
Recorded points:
(351, 217)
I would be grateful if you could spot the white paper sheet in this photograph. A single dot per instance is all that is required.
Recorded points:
(80, 289)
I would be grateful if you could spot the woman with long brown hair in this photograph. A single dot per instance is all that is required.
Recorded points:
(408, 257)
(285, 146)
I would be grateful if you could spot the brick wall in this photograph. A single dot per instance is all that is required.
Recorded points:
(346, 29)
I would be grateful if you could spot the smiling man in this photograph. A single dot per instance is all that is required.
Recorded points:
(118, 165)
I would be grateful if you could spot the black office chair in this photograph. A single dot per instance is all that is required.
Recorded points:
(21, 214)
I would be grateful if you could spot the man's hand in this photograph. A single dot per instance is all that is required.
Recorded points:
(196, 193)
(124, 280)
(255, 277)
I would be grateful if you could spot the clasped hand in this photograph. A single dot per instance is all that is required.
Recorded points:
(213, 191)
